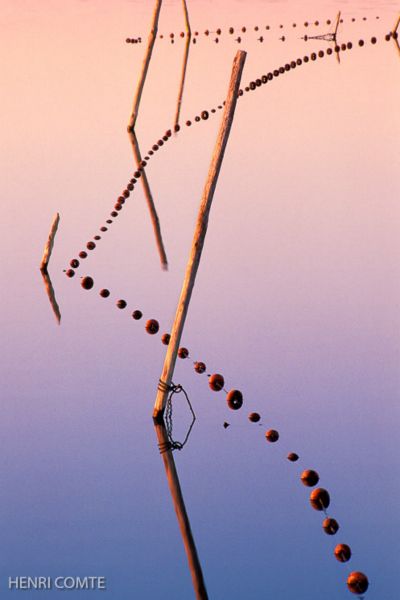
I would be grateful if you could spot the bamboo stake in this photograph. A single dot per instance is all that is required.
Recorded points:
(150, 201)
(181, 514)
(335, 36)
(200, 233)
(394, 31)
(146, 62)
(133, 138)
(397, 44)
(185, 62)
(50, 292)
(395, 28)
(49, 244)
(337, 24)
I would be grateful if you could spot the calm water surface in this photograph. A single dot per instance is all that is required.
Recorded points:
(296, 301)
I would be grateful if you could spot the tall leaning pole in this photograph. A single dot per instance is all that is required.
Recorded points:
(199, 236)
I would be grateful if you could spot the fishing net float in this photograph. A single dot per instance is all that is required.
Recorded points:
(319, 498)
(204, 116)
(241, 30)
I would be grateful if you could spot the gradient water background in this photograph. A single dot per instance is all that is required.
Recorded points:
(296, 302)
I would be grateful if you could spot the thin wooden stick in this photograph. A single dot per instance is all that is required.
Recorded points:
(146, 62)
(133, 138)
(150, 202)
(50, 292)
(395, 28)
(394, 31)
(185, 62)
(335, 36)
(397, 44)
(49, 244)
(199, 234)
(181, 514)
(337, 24)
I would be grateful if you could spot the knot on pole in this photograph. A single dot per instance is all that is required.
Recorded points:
(172, 444)
(165, 387)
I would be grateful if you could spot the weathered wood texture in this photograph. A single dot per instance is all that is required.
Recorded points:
(185, 62)
(337, 23)
(49, 244)
(145, 66)
(200, 231)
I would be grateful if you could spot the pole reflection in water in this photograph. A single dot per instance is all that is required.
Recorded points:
(150, 201)
(45, 264)
(180, 509)
(51, 294)
(133, 138)
(395, 34)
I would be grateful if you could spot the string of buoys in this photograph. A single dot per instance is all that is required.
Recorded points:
(204, 116)
(357, 582)
(216, 381)
(243, 30)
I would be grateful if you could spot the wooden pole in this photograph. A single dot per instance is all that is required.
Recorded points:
(199, 234)
(49, 244)
(335, 36)
(150, 202)
(181, 514)
(395, 28)
(133, 138)
(395, 38)
(185, 62)
(145, 66)
(337, 24)
(50, 292)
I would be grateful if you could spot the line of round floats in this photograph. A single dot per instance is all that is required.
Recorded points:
(240, 31)
(204, 116)
(357, 582)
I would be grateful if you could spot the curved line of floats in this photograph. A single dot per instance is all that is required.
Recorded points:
(357, 582)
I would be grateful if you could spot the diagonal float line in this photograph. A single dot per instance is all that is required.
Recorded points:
(253, 85)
